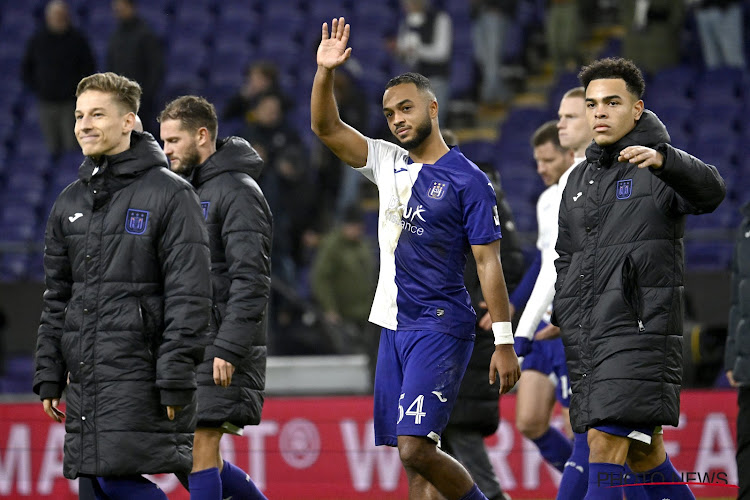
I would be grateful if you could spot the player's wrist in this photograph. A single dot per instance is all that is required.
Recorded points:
(503, 332)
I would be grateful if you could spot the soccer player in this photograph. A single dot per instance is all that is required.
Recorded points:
(544, 377)
(231, 378)
(127, 302)
(434, 206)
(618, 295)
(572, 127)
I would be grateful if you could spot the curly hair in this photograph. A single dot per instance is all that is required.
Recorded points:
(615, 67)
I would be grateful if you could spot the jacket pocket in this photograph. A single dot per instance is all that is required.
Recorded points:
(147, 336)
(631, 291)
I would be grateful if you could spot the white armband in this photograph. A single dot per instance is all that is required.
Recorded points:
(503, 331)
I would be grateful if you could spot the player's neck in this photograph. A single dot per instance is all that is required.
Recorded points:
(430, 151)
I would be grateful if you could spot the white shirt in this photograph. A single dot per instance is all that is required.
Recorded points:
(539, 305)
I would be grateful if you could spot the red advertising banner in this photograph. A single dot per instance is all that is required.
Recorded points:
(322, 448)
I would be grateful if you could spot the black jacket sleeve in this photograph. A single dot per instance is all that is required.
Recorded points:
(185, 264)
(730, 350)
(50, 369)
(246, 235)
(696, 187)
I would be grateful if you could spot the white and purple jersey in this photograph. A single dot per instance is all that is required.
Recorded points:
(428, 217)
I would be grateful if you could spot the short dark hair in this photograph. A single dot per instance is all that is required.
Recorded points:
(547, 133)
(193, 112)
(615, 67)
(126, 92)
(420, 81)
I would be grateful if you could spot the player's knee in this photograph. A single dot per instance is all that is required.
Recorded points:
(643, 457)
(415, 452)
(606, 448)
(530, 426)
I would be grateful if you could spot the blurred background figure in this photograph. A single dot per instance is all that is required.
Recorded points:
(343, 280)
(652, 29)
(136, 52)
(261, 78)
(491, 23)
(562, 33)
(721, 27)
(56, 58)
(424, 44)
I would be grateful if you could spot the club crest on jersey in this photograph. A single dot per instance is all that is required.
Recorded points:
(437, 190)
(624, 189)
(136, 221)
(204, 206)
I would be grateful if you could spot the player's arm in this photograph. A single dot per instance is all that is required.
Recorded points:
(490, 272)
(345, 142)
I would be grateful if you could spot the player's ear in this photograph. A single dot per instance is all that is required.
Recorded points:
(128, 123)
(638, 108)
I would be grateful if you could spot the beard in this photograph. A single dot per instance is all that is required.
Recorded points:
(421, 132)
(189, 160)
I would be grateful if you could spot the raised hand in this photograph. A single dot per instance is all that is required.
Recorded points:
(332, 51)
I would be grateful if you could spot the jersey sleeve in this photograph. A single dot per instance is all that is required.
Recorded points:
(480, 216)
(380, 155)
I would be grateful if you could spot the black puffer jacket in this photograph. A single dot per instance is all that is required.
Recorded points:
(737, 353)
(477, 403)
(619, 290)
(126, 312)
(240, 230)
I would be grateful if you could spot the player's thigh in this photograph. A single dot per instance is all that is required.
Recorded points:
(434, 365)
(387, 389)
(535, 398)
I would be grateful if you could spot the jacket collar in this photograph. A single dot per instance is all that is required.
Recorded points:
(233, 154)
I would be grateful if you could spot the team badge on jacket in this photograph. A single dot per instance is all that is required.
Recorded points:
(204, 206)
(437, 190)
(136, 221)
(624, 189)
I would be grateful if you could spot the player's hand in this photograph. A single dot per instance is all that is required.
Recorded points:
(332, 51)
(50, 408)
(522, 346)
(642, 156)
(223, 371)
(171, 410)
(547, 333)
(730, 377)
(505, 364)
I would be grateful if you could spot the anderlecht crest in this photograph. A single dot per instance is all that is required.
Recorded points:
(136, 221)
(205, 205)
(624, 189)
(437, 190)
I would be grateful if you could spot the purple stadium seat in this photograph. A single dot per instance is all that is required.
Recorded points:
(700, 255)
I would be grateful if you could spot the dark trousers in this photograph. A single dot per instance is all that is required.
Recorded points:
(743, 442)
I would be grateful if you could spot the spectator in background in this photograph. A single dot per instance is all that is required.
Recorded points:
(562, 31)
(56, 58)
(721, 27)
(136, 52)
(425, 44)
(491, 22)
(476, 413)
(343, 283)
(572, 127)
(737, 353)
(653, 32)
(261, 78)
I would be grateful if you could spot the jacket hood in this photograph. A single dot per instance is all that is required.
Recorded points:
(648, 131)
(144, 153)
(233, 154)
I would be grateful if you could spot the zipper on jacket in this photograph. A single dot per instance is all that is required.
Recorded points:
(631, 291)
(146, 340)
